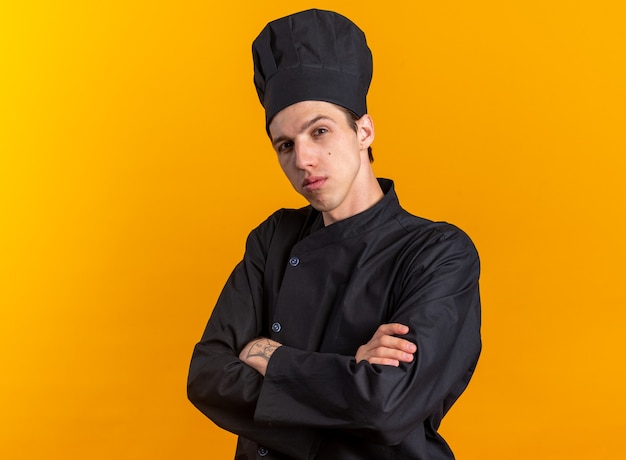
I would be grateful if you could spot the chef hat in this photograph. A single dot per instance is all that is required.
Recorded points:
(311, 55)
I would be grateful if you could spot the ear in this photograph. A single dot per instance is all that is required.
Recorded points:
(365, 131)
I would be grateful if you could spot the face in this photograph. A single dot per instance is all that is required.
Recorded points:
(323, 157)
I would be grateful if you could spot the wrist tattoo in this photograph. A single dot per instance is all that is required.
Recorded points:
(262, 349)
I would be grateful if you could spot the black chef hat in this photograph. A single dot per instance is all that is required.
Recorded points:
(312, 55)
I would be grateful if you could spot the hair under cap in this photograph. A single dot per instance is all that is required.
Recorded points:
(311, 55)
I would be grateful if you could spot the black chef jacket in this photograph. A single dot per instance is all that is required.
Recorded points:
(322, 292)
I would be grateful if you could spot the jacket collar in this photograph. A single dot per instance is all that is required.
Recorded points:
(365, 221)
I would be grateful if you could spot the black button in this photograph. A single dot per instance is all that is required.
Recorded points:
(276, 327)
(262, 451)
(294, 261)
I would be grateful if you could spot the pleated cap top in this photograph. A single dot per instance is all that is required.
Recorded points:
(312, 55)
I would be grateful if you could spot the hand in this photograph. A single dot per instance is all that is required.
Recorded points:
(257, 353)
(384, 348)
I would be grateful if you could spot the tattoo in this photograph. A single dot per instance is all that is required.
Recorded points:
(262, 348)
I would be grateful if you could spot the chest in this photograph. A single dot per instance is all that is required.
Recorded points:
(332, 297)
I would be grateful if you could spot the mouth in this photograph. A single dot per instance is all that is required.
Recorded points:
(310, 184)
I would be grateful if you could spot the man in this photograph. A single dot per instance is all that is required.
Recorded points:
(351, 326)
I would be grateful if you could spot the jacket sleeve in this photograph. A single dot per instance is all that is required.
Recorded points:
(219, 384)
(439, 300)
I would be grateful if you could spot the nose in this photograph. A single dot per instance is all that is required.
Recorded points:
(305, 155)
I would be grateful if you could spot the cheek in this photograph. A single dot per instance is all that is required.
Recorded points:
(346, 157)
(288, 169)
(284, 164)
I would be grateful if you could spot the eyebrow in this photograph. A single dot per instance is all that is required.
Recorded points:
(303, 128)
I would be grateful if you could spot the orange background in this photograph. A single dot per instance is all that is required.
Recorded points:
(133, 163)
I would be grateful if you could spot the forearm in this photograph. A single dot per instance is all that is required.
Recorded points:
(385, 348)
(217, 378)
(326, 390)
(226, 391)
(257, 353)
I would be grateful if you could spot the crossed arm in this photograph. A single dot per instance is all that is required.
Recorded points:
(385, 347)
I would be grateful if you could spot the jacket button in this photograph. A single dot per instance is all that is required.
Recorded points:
(276, 327)
(294, 261)
(262, 451)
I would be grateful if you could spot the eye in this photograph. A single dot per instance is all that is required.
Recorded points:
(284, 147)
(320, 131)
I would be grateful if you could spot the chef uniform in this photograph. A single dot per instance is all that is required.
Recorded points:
(322, 291)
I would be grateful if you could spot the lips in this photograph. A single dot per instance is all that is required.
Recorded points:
(313, 183)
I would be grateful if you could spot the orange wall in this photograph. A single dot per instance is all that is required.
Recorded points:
(133, 162)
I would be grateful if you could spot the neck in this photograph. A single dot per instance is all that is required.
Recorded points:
(368, 195)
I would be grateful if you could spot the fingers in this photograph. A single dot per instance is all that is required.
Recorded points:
(393, 348)
(384, 361)
(396, 343)
(389, 356)
(385, 337)
(385, 356)
(387, 349)
(391, 329)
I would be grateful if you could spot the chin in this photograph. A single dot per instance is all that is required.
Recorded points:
(318, 206)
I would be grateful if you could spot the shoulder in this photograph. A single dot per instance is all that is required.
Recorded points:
(437, 241)
(436, 229)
